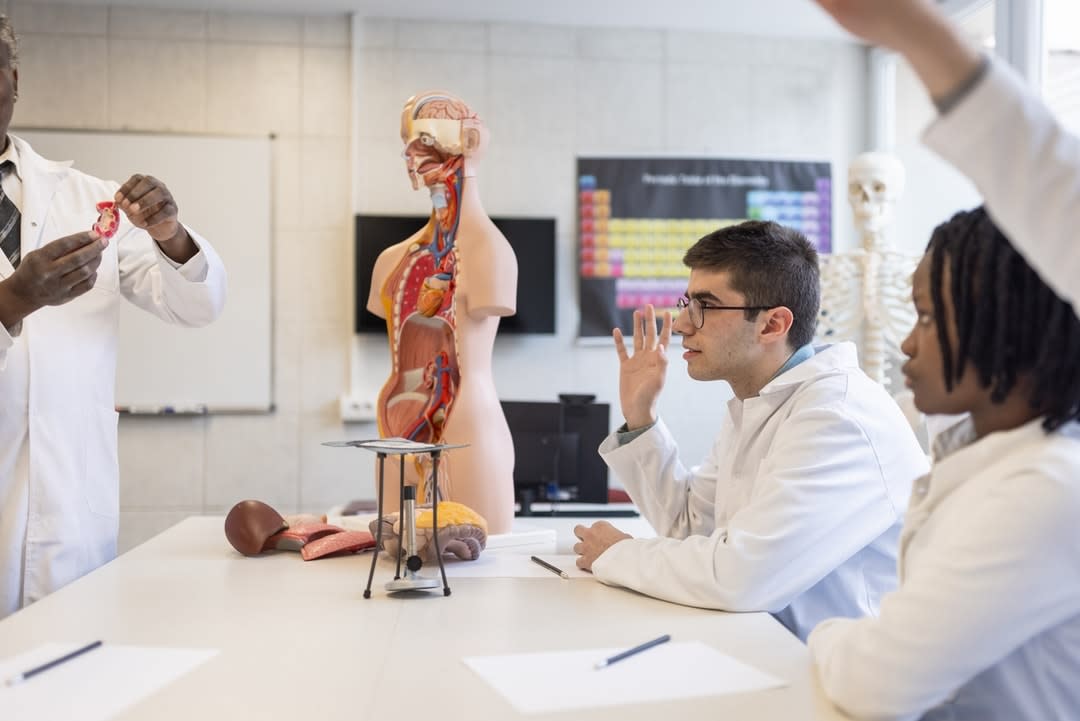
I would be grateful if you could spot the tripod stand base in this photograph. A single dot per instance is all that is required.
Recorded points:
(416, 583)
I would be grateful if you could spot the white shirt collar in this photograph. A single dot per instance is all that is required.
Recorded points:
(10, 153)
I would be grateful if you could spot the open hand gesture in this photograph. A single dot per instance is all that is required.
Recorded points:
(641, 376)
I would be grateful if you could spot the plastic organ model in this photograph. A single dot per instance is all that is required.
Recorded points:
(108, 219)
(422, 288)
(441, 293)
(252, 527)
(462, 532)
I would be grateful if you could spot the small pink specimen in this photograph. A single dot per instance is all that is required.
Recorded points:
(108, 219)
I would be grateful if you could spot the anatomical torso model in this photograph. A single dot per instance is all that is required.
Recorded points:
(442, 292)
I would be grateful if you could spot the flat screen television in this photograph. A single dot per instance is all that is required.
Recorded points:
(555, 450)
(533, 241)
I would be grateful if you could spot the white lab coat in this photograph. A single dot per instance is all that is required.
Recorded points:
(1027, 167)
(795, 511)
(986, 624)
(59, 487)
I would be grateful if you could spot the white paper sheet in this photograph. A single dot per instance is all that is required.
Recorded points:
(508, 565)
(564, 680)
(94, 686)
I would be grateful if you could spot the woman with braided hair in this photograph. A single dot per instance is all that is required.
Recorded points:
(986, 622)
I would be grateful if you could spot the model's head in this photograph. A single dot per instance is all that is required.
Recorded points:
(437, 128)
(9, 76)
(988, 330)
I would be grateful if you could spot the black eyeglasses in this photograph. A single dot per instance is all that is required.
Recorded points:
(696, 309)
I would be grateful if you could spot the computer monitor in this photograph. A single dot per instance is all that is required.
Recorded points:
(556, 445)
(532, 240)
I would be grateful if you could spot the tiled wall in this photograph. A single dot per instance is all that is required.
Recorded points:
(548, 93)
(123, 68)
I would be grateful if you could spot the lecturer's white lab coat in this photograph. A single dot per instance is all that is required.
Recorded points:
(795, 511)
(59, 486)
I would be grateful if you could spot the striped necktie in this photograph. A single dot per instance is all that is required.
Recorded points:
(9, 221)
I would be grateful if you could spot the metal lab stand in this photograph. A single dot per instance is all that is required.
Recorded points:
(401, 447)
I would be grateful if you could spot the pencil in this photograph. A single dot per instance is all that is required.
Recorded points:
(548, 566)
(20, 677)
(631, 651)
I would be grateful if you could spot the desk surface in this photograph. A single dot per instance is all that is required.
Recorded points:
(297, 639)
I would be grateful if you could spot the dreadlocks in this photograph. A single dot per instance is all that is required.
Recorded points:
(1009, 323)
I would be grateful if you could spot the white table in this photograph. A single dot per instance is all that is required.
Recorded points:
(297, 640)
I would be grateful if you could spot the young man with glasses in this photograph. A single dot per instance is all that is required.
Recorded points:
(797, 508)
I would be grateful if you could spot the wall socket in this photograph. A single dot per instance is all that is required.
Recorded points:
(357, 410)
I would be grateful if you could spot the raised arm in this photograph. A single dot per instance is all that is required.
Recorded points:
(993, 128)
(941, 57)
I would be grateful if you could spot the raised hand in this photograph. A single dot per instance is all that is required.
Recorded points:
(940, 55)
(52, 275)
(882, 22)
(641, 376)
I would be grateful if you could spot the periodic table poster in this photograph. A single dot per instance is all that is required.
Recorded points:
(638, 216)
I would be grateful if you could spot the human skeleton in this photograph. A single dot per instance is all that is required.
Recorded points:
(866, 293)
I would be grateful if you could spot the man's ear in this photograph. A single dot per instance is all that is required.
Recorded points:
(778, 322)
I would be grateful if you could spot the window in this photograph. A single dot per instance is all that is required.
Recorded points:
(934, 190)
(1061, 80)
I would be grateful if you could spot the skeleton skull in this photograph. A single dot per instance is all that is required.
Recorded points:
(875, 183)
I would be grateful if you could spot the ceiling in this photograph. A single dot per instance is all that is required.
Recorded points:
(797, 18)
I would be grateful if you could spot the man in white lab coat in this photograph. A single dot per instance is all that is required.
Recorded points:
(797, 508)
(60, 287)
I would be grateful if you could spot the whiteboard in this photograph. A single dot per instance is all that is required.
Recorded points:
(222, 186)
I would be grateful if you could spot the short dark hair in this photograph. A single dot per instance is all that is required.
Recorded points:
(771, 265)
(9, 40)
(1008, 321)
